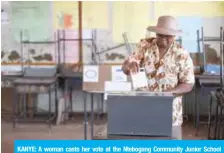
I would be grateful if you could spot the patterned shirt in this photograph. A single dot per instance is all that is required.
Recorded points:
(174, 67)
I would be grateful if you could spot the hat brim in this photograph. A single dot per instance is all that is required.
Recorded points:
(164, 31)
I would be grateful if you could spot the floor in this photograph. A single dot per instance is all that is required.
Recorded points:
(71, 130)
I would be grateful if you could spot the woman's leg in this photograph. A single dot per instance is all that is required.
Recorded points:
(177, 133)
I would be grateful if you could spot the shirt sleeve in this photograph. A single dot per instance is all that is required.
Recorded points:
(139, 53)
(186, 73)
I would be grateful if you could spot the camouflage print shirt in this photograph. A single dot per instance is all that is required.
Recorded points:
(176, 66)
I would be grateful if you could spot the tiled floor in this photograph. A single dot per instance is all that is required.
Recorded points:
(71, 130)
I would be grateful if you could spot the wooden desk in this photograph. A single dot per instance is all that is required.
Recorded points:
(203, 81)
(34, 85)
(201, 76)
(208, 80)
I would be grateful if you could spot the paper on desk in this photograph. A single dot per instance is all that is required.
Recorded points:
(91, 74)
(139, 79)
(118, 74)
(116, 87)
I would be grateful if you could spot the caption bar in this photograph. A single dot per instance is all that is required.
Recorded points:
(118, 146)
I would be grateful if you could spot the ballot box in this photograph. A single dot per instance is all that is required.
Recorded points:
(140, 114)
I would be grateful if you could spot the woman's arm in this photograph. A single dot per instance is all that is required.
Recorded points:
(133, 62)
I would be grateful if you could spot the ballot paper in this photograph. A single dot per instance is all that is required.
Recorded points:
(139, 79)
(116, 87)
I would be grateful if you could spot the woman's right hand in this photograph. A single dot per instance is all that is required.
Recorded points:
(130, 67)
(133, 67)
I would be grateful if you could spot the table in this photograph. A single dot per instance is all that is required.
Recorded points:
(7, 80)
(91, 111)
(203, 81)
(27, 85)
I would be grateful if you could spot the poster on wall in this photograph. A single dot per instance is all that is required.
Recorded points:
(71, 52)
(91, 74)
(74, 34)
(4, 17)
(94, 15)
(71, 48)
(65, 15)
(33, 19)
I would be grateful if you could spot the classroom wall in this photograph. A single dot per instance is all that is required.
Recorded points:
(120, 17)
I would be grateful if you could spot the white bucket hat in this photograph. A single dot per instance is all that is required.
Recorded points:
(166, 25)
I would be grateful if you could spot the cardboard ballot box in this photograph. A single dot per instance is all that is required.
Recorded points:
(140, 114)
